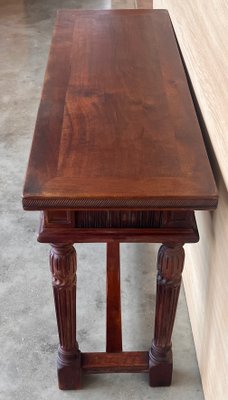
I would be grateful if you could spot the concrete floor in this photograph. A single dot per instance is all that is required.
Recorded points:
(28, 335)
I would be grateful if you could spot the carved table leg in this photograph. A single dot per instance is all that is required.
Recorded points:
(170, 266)
(63, 268)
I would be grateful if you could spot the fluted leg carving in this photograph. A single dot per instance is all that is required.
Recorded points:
(63, 269)
(170, 266)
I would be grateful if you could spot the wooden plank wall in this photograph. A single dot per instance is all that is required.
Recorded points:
(143, 3)
(131, 4)
(202, 32)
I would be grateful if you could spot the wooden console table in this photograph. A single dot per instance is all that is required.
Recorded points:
(117, 156)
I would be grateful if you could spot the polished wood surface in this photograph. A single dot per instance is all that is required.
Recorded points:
(159, 227)
(173, 228)
(117, 156)
(116, 125)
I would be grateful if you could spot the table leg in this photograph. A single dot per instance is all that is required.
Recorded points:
(170, 266)
(113, 310)
(63, 268)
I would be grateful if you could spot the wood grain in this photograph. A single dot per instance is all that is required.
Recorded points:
(116, 123)
(206, 264)
(204, 21)
(131, 361)
(143, 3)
(122, 235)
(207, 292)
(117, 131)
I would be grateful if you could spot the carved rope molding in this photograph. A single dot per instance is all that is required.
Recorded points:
(42, 204)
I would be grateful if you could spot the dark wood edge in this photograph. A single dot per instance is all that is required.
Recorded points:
(132, 361)
(45, 204)
(155, 235)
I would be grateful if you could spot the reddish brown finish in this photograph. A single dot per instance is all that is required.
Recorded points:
(63, 268)
(170, 267)
(121, 235)
(172, 227)
(116, 126)
(113, 313)
(131, 361)
(59, 218)
(165, 226)
(117, 156)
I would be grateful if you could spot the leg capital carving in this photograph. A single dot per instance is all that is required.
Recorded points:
(170, 264)
(63, 266)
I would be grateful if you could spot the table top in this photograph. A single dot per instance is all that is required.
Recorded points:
(116, 126)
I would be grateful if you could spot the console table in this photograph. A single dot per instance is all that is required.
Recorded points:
(117, 156)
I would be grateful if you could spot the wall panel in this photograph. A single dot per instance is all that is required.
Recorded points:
(201, 27)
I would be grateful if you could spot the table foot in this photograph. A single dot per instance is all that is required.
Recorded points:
(69, 370)
(160, 366)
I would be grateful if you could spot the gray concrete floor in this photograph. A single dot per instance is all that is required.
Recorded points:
(28, 335)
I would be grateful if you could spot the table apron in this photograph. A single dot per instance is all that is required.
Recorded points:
(157, 235)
